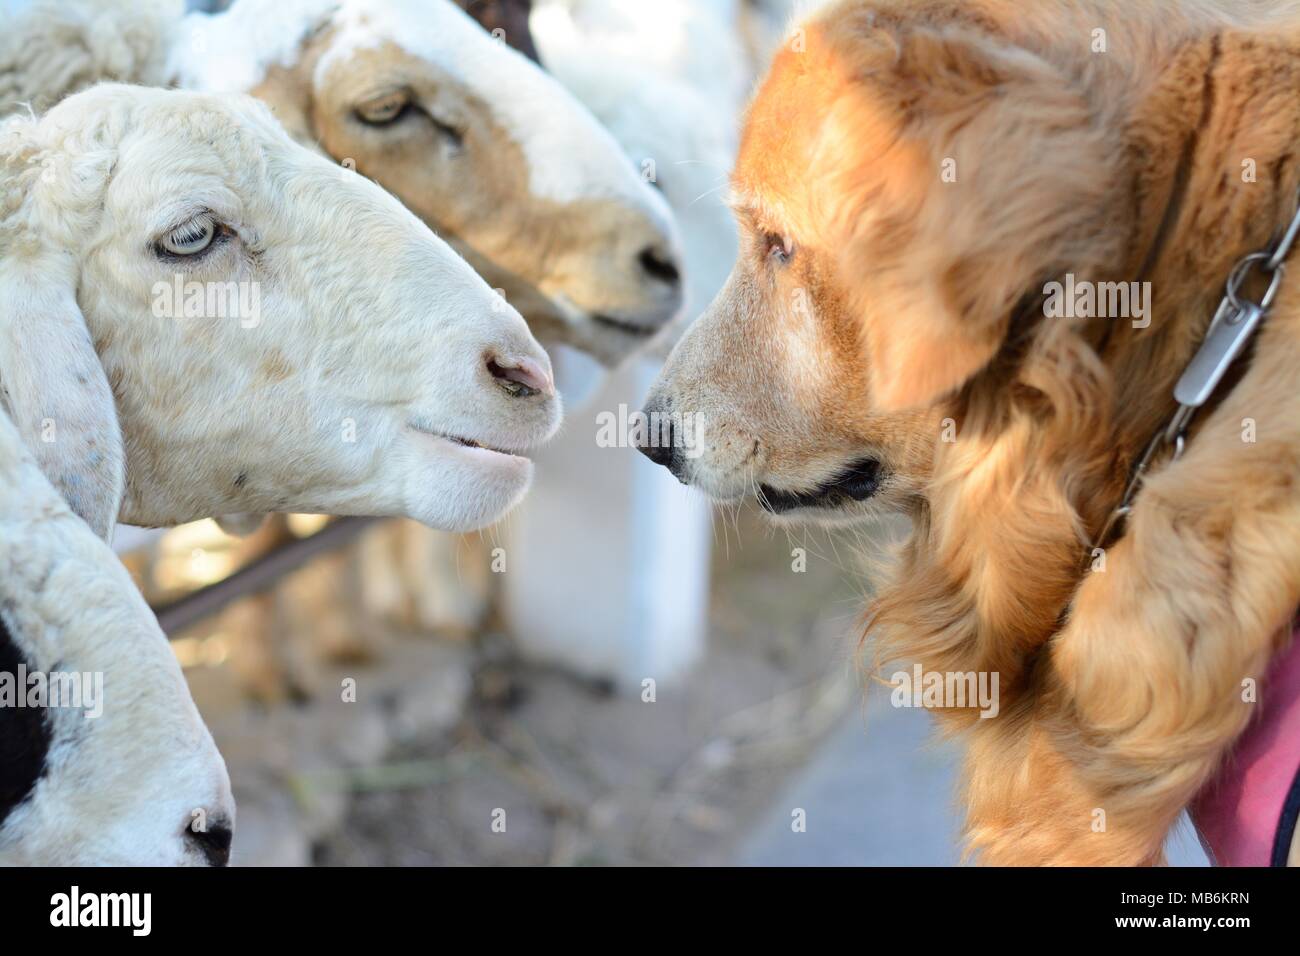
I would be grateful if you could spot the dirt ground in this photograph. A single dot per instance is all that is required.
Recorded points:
(545, 768)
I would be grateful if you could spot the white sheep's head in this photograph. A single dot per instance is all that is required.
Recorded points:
(104, 759)
(480, 142)
(271, 331)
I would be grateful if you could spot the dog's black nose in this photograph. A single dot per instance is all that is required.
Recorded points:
(657, 445)
(655, 439)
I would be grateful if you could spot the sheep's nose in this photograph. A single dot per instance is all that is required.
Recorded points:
(214, 842)
(660, 265)
(519, 375)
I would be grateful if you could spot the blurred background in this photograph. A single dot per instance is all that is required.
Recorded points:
(617, 674)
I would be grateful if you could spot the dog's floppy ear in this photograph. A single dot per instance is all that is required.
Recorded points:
(56, 391)
(965, 174)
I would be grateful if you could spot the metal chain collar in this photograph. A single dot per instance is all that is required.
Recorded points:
(1235, 321)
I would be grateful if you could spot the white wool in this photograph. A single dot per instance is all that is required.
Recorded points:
(51, 48)
(232, 52)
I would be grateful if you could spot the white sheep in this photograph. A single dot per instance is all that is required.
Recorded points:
(198, 316)
(668, 79)
(104, 759)
(471, 135)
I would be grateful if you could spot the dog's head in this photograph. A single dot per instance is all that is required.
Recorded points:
(900, 189)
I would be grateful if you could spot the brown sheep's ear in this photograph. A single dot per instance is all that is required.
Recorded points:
(960, 174)
(55, 389)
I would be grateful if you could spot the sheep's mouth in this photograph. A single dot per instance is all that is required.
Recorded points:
(858, 482)
(470, 443)
(463, 442)
(629, 328)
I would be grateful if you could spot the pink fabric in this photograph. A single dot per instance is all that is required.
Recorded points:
(1239, 811)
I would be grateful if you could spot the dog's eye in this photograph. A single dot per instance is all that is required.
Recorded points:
(780, 248)
(384, 110)
(192, 238)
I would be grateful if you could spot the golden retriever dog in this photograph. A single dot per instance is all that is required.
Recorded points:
(916, 180)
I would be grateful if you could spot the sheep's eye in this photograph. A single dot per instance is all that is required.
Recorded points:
(780, 248)
(384, 110)
(191, 238)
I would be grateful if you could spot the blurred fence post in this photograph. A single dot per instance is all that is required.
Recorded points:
(607, 567)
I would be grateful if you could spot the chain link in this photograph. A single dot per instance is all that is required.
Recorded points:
(1235, 321)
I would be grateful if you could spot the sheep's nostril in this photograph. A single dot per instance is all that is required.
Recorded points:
(213, 843)
(659, 265)
(520, 376)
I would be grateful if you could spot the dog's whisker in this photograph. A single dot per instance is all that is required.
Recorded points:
(707, 192)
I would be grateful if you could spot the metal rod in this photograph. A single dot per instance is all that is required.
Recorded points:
(261, 575)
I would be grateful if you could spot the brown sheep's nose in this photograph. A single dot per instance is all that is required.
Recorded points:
(660, 265)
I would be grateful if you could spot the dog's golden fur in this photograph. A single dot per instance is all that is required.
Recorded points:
(1121, 681)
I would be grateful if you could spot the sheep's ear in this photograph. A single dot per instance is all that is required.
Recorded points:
(56, 391)
(963, 174)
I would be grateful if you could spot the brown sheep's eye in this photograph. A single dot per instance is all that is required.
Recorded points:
(393, 108)
(384, 110)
